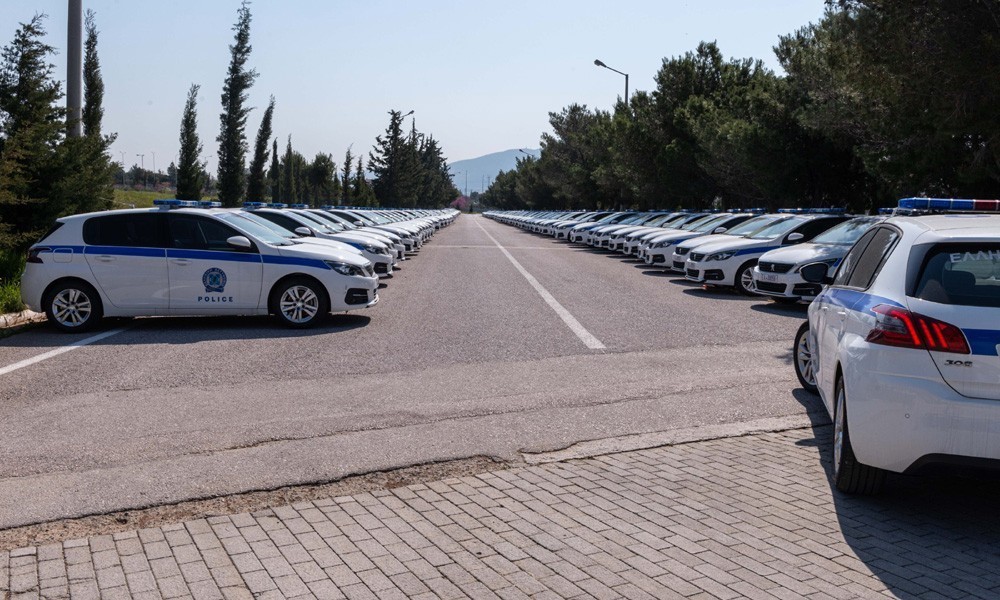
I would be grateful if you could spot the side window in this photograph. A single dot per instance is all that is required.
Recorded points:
(287, 222)
(816, 227)
(871, 260)
(198, 233)
(850, 260)
(142, 230)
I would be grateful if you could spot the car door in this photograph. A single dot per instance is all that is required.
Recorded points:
(126, 252)
(830, 311)
(207, 275)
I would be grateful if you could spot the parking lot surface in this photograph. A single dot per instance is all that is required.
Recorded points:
(465, 355)
(747, 517)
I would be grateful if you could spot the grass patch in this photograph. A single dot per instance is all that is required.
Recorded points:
(11, 267)
(138, 198)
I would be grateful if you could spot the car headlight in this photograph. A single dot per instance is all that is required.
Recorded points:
(345, 269)
(721, 255)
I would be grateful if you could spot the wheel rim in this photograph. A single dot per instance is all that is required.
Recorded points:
(299, 304)
(72, 307)
(838, 430)
(803, 356)
(746, 280)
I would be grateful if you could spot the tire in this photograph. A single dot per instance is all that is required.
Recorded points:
(299, 302)
(802, 358)
(73, 306)
(744, 279)
(849, 475)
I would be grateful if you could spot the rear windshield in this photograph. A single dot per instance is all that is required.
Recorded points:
(962, 274)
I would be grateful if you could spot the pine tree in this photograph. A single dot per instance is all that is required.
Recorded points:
(363, 193)
(190, 172)
(395, 166)
(346, 179)
(31, 127)
(232, 134)
(287, 176)
(256, 185)
(274, 173)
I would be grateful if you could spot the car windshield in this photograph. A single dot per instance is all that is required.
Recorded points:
(847, 232)
(693, 224)
(260, 232)
(329, 218)
(609, 218)
(709, 224)
(777, 229)
(752, 225)
(285, 233)
(658, 221)
(962, 274)
(318, 224)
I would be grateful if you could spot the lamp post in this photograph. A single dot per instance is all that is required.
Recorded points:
(122, 152)
(601, 64)
(142, 163)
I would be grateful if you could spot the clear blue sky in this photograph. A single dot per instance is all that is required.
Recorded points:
(481, 76)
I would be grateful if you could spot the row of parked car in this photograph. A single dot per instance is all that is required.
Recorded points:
(902, 341)
(180, 257)
(751, 251)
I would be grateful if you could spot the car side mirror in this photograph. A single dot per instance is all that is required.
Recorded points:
(720, 230)
(795, 237)
(239, 241)
(359, 223)
(815, 273)
(304, 231)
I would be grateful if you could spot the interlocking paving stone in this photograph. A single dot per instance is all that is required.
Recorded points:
(750, 517)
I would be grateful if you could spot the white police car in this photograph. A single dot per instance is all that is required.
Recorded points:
(777, 272)
(678, 259)
(178, 259)
(730, 263)
(658, 248)
(903, 344)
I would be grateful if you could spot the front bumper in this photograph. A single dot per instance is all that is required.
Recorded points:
(784, 285)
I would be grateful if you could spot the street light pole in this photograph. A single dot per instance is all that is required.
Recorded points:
(601, 64)
(142, 163)
(122, 152)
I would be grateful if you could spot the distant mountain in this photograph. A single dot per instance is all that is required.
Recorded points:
(483, 170)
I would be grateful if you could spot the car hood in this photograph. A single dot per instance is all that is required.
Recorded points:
(806, 253)
(317, 252)
(674, 236)
(709, 239)
(736, 244)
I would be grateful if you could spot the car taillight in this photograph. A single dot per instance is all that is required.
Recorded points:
(899, 327)
(33, 255)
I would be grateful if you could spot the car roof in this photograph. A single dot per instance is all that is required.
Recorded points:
(969, 223)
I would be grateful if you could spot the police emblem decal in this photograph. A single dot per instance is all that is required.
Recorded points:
(214, 280)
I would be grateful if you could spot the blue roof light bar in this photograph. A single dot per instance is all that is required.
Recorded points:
(950, 204)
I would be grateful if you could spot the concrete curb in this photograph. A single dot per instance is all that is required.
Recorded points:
(672, 437)
(25, 317)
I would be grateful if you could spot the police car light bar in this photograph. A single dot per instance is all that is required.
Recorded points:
(298, 205)
(209, 204)
(254, 204)
(950, 204)
(812, 211)
(276, 205)
(171, 203)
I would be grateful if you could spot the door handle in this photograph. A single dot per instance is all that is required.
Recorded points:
(105, 258)
(841, 313)
(181, 261)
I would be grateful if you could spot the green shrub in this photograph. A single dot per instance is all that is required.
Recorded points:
(11, 267)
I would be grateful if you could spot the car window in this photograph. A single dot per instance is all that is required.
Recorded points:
(285, 221)
(847, 265)
(815, 227)
(847, 232)
(753, 225)
(962, 274)
(143, 230)
(198, 233)
(776, 229)
(873, 257)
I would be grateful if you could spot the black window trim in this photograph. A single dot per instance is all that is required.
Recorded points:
(884, 259)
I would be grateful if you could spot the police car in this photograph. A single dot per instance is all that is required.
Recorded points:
(658, 248)
(777, 272)
(299, 220)
(582, 233)
(903, 344)
(730, 263)
(179, 259)
(679, 258)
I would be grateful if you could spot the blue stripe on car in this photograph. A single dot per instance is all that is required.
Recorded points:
(219, 255)
(983, 341)
(215, 255)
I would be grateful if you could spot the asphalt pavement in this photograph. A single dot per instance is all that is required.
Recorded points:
(471, 351)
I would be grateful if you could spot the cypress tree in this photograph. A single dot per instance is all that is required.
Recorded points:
(274, 173)
(256, 186)
(287, 175)
(93, 84)
(232, 134)
(346, 178)
(190, 172)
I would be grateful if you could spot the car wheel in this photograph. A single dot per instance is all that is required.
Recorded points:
(850, 476)
(744, 279)
(805, 368)
(300, 302)
(73, 306)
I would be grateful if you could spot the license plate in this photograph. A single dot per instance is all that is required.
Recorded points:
(770, 277)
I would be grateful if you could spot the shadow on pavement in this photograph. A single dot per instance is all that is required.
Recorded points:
(797, 311)
(188, 330)
(924, 536)
(717, 293)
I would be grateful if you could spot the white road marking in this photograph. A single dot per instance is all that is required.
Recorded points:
(52, 353)
(581, 332)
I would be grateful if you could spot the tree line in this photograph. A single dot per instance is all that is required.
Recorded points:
(879, 99)
(45, 173)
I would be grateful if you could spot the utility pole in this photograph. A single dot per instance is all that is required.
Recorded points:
(74, 69)
(122, 152)
(142, 162)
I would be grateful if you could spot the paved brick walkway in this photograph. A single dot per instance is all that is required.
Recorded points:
(747, 517)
